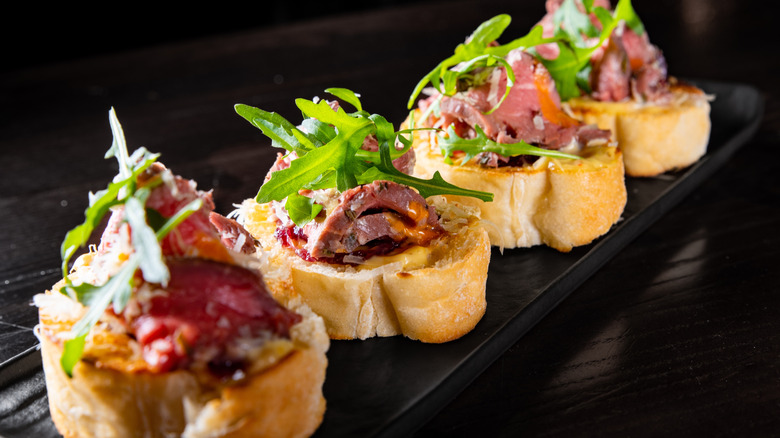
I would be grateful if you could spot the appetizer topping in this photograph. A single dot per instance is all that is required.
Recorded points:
(529, 113)
(195, 236)
(162, 268)
(619, 60)
(329, 153)
(371, 219)
(207, 314)
(337, 193)
(404, 163)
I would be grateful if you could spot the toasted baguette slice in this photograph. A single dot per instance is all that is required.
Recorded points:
(112, 394)
(433, 294)
(654, 138)
(558, 203)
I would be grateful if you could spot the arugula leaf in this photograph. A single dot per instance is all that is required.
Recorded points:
(99, 204)
(71, 353)
(434, 186)
(301, 209)
(624, 10)
(565, 69)
(274, 126)
(117, 290)
(346, 95)
(481, 143)
(302, 171)
(319, 132)
(573, 25)
(118, 147)
(571, 68)
(486, 33)
(533, 38)
(337, 159)
(325, 114)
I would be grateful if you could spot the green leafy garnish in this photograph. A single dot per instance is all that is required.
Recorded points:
(476, 53)
(431, 187)
(301, 209)
(481, 143)
(147, 256)
(274, 126)
(99, 204)
(569, 70)
(336, 160)
(346, 95)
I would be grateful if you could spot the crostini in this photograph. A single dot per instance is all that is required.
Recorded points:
(493, 122)
(621, 83)
(166, 328)
(371, 249)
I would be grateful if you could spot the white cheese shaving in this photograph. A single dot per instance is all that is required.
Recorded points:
(494, 80)
(538, 122)
(240, 241)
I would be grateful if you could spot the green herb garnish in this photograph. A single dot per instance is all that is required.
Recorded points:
(476, 53)
(147, 255)
(481, 143)
(434, 186)
(569, 70)
(328, 144)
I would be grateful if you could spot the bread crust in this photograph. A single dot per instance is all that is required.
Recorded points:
(436, 301)
(116, 398)
(654, 138)
(558, 203)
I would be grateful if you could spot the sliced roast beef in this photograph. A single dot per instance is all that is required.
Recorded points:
(282, 162)
(455, 110)
(531, 112)
(611, 74)
(643, 77)
(368, 220)
(234, 236)
(381, 209)
(209, 308)
(196, 236)
(519, 117)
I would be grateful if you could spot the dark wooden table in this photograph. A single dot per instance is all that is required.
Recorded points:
(678, 334)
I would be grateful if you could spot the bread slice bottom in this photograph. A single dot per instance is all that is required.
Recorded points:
(433, 294)
(116, 398)
(654, 138)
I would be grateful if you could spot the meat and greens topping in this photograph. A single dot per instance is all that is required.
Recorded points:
(501, 103)
(167, 268)
(378, 218)
(337, 192)
(610, 50)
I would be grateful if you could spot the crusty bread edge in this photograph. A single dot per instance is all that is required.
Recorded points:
(284, 399)
(558, 203)
(435, 303)
(654, 138)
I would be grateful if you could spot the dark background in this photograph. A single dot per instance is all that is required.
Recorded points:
(37, 35)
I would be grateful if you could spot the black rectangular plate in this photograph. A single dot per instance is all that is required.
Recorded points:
(392, 386)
